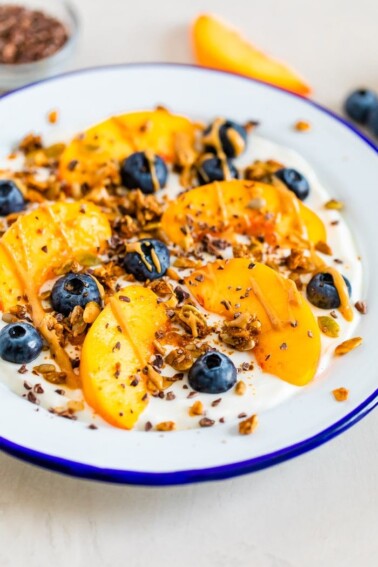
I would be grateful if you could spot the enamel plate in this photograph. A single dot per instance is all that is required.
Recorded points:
(345, 162)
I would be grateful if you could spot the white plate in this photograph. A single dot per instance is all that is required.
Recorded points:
(345, 162)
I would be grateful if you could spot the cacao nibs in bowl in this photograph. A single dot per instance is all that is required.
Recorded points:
(28, 35)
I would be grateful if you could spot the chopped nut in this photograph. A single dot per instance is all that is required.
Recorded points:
(206, 422)
(166, 426)
(361, 307)
(248, 426)
(156, 379)
(347, 346)
(91, 312)
(240, 388)
(197, 408)
(335, 205)
(241, 332)
(262, 170)
(181, 359)
(340, 394)
(193, 320)
(257, 203)
(52, 117)
(74, 405)
(302, 126)
(50, 373)
(329, 326)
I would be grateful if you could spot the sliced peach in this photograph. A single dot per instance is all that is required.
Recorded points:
(289, 343)
(116, 349)
(86, 158)
(35, 247)
(41, 241)
(230, 205)
(218, 45)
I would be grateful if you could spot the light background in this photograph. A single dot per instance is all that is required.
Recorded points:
(320, 510)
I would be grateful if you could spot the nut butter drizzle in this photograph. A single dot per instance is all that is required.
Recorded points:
(40, 318)
(212, 138)
(150, 156)
(236, 141)
(274, 319)
(59, 227)
(128, 135)
(121, 320)
(137, 248)
(221, 204)
(341, 287)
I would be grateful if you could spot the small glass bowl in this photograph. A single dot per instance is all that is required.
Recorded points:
(16, 75)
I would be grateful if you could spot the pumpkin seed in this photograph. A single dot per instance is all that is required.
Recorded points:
(347, 346)
(329, 326)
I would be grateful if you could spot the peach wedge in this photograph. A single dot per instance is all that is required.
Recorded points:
(220, 46)
(86, 159)
(289, 343)
(227, 206)
(116, 349)
(35, 248)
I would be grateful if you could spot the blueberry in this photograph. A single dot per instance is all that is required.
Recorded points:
(294, 181)
(359, 104)
(141, 170)
(20, 343)
(212, 169)
(72, 290)
(373, 121)
(147, 259)
(322, 292)
(11, 198)
(212, 373)
(232, 138)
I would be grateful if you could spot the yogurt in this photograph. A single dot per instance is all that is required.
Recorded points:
(263, 391)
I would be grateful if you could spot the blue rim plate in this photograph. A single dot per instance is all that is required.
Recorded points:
(32, 442)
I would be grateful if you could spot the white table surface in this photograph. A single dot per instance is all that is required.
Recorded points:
(320, 510)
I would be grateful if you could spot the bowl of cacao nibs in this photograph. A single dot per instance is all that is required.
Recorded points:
(37, 38)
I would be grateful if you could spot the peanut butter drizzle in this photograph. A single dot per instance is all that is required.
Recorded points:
(151, 162)
(129, 136)
(117, 312)
(213, 139)
(341, 287)
(40, 318)
(137, 247)
(274, 319)
(292, 296)
(236, 141)
(155, 260)
(58, 226)
(221, 203)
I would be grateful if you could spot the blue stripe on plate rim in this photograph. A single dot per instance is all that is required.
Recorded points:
(81, 470)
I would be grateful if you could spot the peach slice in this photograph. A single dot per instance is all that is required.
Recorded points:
(35, 247)
(88, 157)
(232, 205)
(41, 241)
(116, 349)
(289, 343)
(218, 45)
